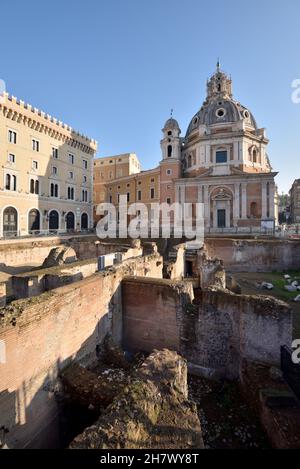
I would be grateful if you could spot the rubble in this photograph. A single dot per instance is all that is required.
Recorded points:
(267, 286)
(290, 288)
(152, 411)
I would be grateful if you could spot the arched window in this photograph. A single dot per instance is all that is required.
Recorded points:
(31, 186)
(37, 187)
(170, 133)
(254, 156)
(84, 221)
(189, 161)
(7, 182)
(14, 183)
(70, 221)
(170, 150)
(53, 220)
(33, 220)
(54, 190)
(10, 220)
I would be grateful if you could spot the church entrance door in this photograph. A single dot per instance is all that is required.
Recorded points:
(222, 218)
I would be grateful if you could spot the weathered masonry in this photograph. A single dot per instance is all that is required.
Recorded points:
(41, 335)
(215, 332)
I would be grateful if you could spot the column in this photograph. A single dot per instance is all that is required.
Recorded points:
(272, 200)
(177, 194)
(244, 200)
(236, 203)
(215, 217)
(228, 214)
(207, 154)
(206, 207)
(236, 155)
(264, 200)
(200, 194)
(182, 193)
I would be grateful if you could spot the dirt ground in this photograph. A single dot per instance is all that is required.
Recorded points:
(247, 282)
(226, 420)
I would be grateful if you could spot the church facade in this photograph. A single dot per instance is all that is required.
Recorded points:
(221, 162)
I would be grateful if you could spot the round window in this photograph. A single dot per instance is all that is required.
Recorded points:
(246, 114)
(220, 112)
(195, 121)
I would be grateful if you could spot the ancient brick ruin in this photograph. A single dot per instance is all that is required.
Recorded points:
(59, 314)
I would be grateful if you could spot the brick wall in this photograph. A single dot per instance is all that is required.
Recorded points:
(255, 255)
(41, 335)
(151, 313)
(34, 252)
(214, 334)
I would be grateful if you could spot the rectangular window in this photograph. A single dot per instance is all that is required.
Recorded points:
(71, 158)
(71, 175)
(152, 193)
(55, 153)
(11, 158)
(128, 196)
(35, 165)
(35, 145)
(84, 179)
(221, 156)
(54, 170)
(12, 136)
(169, 172)
(85, 164)
(169, 201)
(139, 195)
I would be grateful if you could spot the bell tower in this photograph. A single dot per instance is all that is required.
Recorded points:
(170, 144)
(170, 165)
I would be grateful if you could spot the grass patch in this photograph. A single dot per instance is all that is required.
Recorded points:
(279, 282)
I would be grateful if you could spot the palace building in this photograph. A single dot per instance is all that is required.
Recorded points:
(221, 162)
(46, 172)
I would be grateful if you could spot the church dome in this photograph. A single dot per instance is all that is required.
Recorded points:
(219, 112)
(220, 107)
(171, 124)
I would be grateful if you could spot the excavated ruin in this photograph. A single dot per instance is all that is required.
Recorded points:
(152, 411)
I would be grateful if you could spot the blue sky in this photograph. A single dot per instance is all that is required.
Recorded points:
(113, 69)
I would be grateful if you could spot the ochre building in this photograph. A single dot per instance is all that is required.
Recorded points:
(221, 161)
(46, 172)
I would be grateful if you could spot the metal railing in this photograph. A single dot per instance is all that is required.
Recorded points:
(44, 233)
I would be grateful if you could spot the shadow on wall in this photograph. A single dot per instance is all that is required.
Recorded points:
(33, 416)
(57, 194)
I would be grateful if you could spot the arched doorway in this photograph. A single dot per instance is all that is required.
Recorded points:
(10, 221)
(70, 221)
(53, 220)
(33, 220)
(253, 210)
(84, 221)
